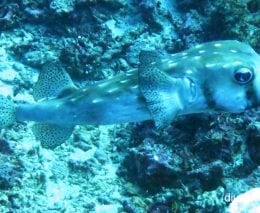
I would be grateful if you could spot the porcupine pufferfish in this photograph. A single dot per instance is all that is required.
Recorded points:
(214, 76)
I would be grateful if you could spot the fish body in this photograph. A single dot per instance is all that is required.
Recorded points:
(117, 100)
(219, 76)
(215, 76)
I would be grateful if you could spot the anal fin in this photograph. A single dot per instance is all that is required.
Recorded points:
(51, 135)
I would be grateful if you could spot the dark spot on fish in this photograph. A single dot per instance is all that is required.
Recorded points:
(209, 96)
(251, 96)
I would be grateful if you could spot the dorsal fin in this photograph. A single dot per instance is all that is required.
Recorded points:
(160, 90)
(148, 57)
(52, 80)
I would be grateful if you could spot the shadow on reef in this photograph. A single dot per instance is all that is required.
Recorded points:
(11, 169)
(253, 140)
(197, 153)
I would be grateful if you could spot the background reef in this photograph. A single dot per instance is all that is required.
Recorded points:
(190, 167)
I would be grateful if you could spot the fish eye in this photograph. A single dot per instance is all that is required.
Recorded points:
(243, 75)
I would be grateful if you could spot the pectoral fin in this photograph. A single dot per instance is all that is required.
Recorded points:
(160, 91)
(51, 135)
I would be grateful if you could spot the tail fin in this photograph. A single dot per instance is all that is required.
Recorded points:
(7, 112)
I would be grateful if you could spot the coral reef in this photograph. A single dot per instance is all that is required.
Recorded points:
(192, 166)
(153, 165)
(208, 154)
(9, 174)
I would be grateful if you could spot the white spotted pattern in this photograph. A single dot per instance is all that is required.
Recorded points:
(225, 66)
(198, 46)
(97, 100)
(197, 57)
(189, 71)
(210, 65)
(237, 63)
(112, 90)
(217, 45)
(129, 73)
(123, 81)
(165, 60)
(172, 64)
(73, 99)
(102, 84)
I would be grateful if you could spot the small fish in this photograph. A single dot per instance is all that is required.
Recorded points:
(215, 76)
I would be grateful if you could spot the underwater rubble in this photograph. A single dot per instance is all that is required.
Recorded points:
(198, 164)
